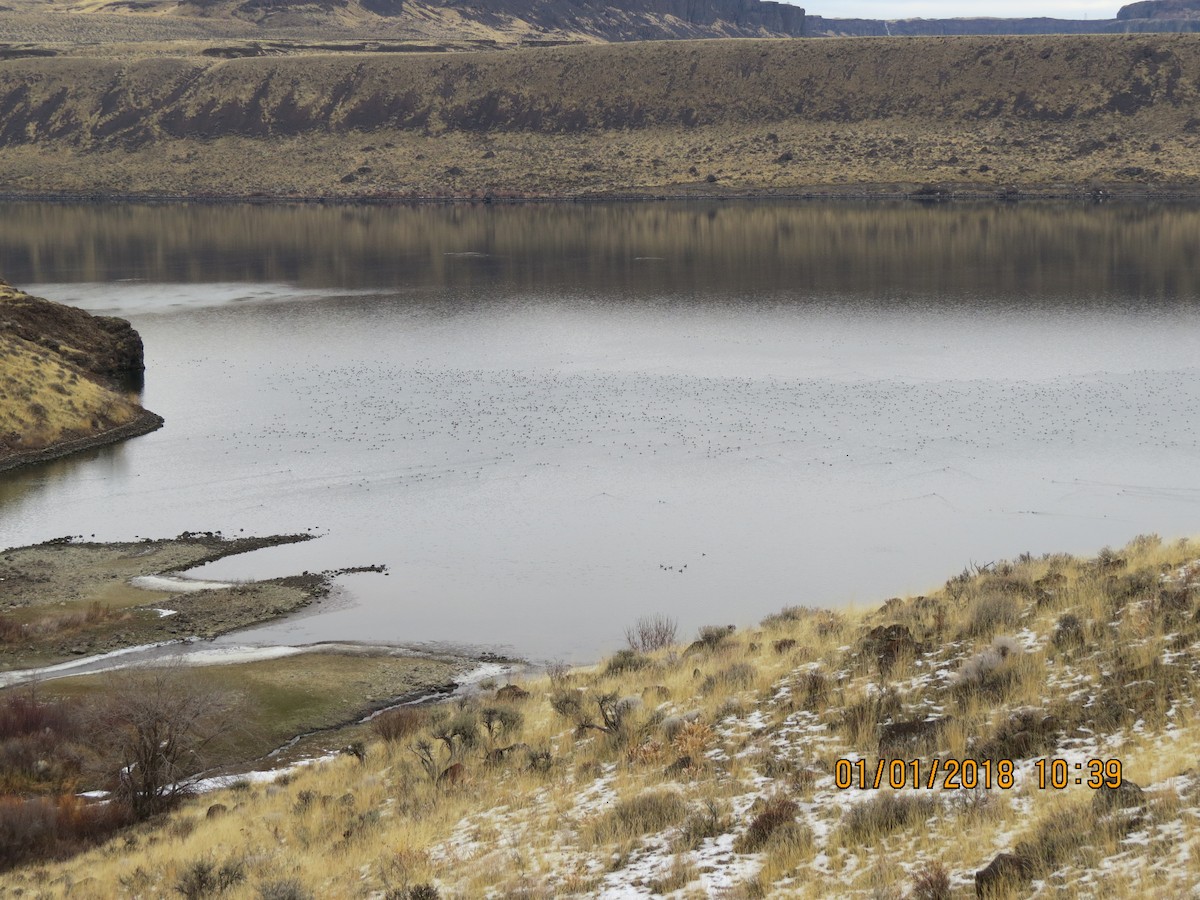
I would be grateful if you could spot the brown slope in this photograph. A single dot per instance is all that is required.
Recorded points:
(999, 111)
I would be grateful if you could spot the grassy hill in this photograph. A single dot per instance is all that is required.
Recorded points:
(56, 389)
(731, 765)
(1042, 113)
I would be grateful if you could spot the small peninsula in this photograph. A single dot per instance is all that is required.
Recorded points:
(65, 379)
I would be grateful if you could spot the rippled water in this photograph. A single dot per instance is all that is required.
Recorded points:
(549, 420)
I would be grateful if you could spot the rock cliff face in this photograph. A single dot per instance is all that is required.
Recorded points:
(646, 19)
(625, 20)
(104, 346)
(1149, 16)
(1160, 9)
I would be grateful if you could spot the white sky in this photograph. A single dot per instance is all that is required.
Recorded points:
(948, 9)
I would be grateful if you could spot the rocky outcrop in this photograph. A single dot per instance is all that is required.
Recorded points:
(1160, 9)
(65, 378)
(104, 346)
(1153, 16)
(542, 20)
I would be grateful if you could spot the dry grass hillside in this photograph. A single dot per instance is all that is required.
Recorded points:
(56, 363)
(1048, 114)
(746, 764)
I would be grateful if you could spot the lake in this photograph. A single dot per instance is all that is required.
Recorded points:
(550, 419)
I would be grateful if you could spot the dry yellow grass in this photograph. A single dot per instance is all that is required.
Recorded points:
(1100, 664)
(58, 367)
(44, 399)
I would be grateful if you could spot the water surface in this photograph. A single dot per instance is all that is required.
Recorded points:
(548, 420)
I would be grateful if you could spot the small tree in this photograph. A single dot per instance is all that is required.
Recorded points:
(158, 729)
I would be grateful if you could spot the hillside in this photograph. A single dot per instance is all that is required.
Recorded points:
(1040, 114)
(744, 764)
(61, 374)
(442, 23)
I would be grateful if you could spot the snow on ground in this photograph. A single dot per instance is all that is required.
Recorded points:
(72, 667)
(176, 584)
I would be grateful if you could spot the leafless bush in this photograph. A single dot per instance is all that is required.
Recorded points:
(158, 731)
(932, 883)
(651, 633)
(203, 878)
(47, 827)
(558, 672)
(501, 721)
(395, 724)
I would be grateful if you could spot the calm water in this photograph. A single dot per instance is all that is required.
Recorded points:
(537, 416)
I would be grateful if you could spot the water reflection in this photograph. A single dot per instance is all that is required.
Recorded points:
(885, 251)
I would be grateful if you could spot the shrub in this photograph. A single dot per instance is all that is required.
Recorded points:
(202, 878)
(45, 827)
(289, 889)
(992, 669)
(712, 636)
(651, 633)
(788, 615)
(157, 727)
(644, 814)
(707, 822)
(737, 677)
(1059, 837)
(11, 631)
(692, 740)
(815, 688)
(884, 814)
(1068, 632)
(396, 724)
(23, 714)
(626, 661)
(932, 883)
(501, 721)
(830, 623)
(777, 813)
(990, 612)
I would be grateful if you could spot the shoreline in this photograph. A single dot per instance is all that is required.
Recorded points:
(918, 193)
(145, 423)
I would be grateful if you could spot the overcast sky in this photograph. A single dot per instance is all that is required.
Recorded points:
(946, 9)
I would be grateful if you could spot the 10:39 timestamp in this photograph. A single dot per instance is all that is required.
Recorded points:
(968, 774)
(1059, 773)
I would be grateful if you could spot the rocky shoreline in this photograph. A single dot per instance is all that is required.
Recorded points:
(1090, 192)
(145, 423)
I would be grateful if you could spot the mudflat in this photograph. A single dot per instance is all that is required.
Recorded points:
(64, 599)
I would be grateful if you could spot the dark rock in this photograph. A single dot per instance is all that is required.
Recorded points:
(1005, 871)
(104, 346)
(1127, 795)
(216, 810)
(512, 692)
